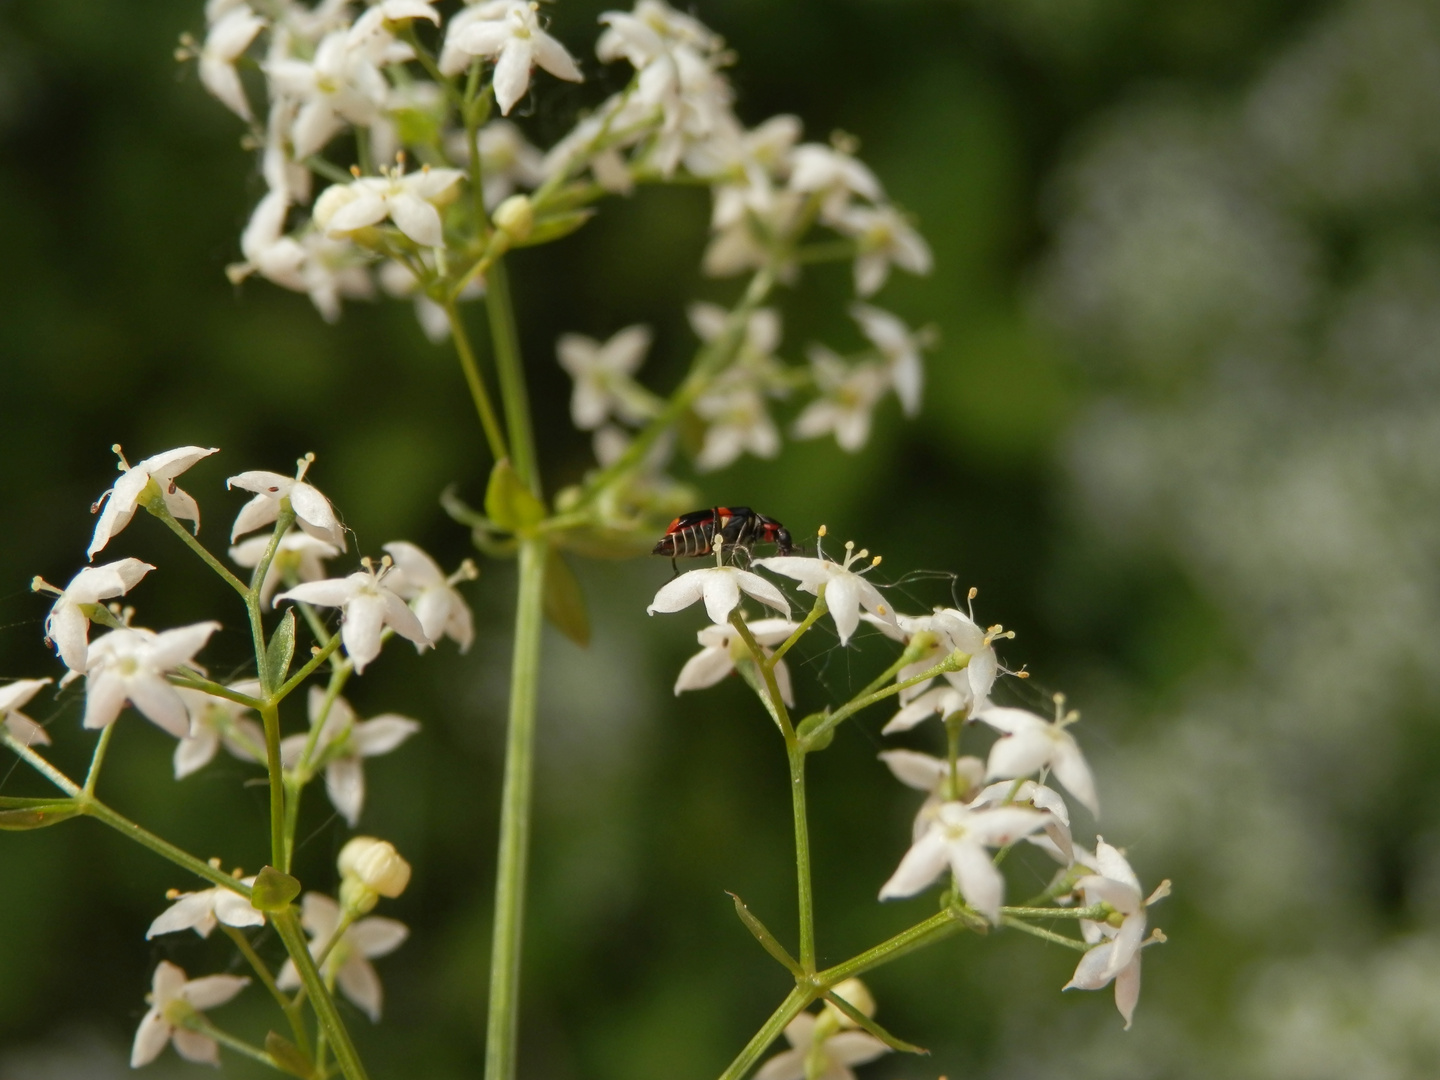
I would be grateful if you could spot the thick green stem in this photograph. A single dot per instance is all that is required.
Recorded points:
(279, 850)
(328, 1017)
(791, 1007)
(804, 892)
(508, 365)
(503, 1027)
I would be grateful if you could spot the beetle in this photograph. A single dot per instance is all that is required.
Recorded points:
(693, 535)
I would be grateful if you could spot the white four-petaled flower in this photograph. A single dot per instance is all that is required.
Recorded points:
(724, 646)
(720, 587)
(837, 1051)
(299, 555)
(175, 1000)
(13, 697)
(509, 32)
(438, 605)
(67, 626)
(410, 200)
(204, 910)
(369, 605)
(349, 959)
(602, 372)
(217, 721)
(229, 36)
(130, 664)
(1030, 743)
(313, 512)
(845, 590)
(121, 500)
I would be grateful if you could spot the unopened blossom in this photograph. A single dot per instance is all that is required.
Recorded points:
(121, 500)
(410, 200)
(900, 346)
(1031, 743)
(720, 587)
(957, 839)
(602, 372)
(370, 869)
(299, 555)
(1117, 956)
(509, 33)
(723, 647)
(175, 1000)
(348, 961)
(833, 174)
(883, 238)
(227, 39)
(216, 722)
(204, 910)
(1056, 842)
(838, 1050)
(340, 84)
(67, 626)
(313, 512)
(130, 664)
(342, 744)
(845, 589)
(848, 396)
(368, 605)
(933, 775)
(418, 579)
(13, 697)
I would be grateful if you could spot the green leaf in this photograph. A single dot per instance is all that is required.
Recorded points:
(764, 936)
(564, 602)
(554, 226)
(18, 814)
(509, 503)
(871, 1026)
(287, 1056)
(273, 890)
(281, 649)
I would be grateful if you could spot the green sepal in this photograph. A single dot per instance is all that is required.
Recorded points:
(273, 890)
(564, 600)
(767, 940)
(871, 1026)
(17, 814)
(281, 649)
(554, 226)
(287, 1056)
(509, 503)
(808, 725)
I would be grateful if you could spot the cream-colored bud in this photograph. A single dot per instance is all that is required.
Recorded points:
(329, 203)
(515, 217)
(855, 993)
(376, 865)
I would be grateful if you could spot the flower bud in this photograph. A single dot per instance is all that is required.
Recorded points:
(853, 992)
(515, 217)
(370, 869)
(330, 201)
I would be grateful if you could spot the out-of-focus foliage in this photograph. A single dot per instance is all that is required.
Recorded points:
(1181, 430)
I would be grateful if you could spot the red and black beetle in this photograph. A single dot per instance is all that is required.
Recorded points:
(693, 535)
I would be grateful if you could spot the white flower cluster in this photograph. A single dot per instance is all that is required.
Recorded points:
(972, 806)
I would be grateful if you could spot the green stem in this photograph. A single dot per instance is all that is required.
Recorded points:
(279, 851)
(954, 662)
(302, 673)
(918, 936)
(488, 420)
(199, 1023)
(262, 972)
(508, 365)
(819, 609)
(772, 699)
(1047, 935)
(121, 824)
(1095, 912)
(791, 1007)
(40, 765)
(331, 1025)
(93, 776)
(157, 507)
(503, 1027)
(804, 891)
(214, 689)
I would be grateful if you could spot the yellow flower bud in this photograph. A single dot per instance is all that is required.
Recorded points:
(375, 866)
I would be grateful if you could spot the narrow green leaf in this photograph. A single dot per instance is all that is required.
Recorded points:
(509, 503)
(273, 890)
(461, 511)
(287, 1056)
(554, 226)
(281, 649)
(18, 814)
(762, 935)
(564, 601)
(871, 1026)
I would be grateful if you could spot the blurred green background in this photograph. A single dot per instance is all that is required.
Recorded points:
(1182, 431)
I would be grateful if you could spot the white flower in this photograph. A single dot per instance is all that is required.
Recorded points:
(943, 701)
(369, 605)
(13, 697)
(340, 84)
(723, 647)
(299, 554)
(173, 1001)
(833, 174)
(845, 589)
(737, 421)
(399, 281)
(602, 375)
(67, 626)
(313, 512)
(131, 664)
(326, 269)
(509, 32)
(901, 349)
(720, 586)
(349, 960)
(1056, 842)
(508, 161)
(1031, 743)
(932, 776)
(122, 499)
(228, 37)
(838, 1051)
(955, 631)
(883, 236)
(202, 911)
(647, 33)
(848, 395)
(215, 721)
(407, 199)
(438, 605)
(343, 744)
(957, 838)
(1118, 955)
